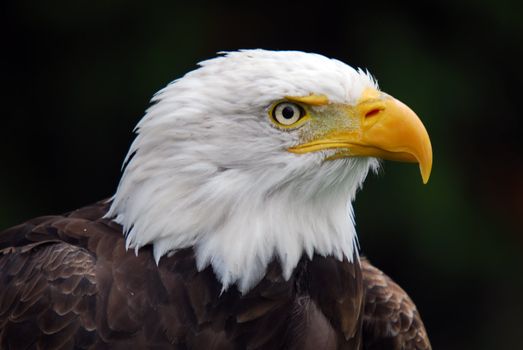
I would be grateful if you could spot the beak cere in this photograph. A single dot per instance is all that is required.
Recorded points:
(387, 129)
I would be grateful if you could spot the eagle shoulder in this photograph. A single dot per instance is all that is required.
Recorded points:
(391, 319)
(48, 287)
(65, 284)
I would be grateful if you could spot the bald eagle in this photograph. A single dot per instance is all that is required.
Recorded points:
(232, 225)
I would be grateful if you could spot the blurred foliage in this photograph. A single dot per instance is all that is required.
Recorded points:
(78, 75)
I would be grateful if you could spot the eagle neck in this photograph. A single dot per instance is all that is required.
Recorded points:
(237, 222)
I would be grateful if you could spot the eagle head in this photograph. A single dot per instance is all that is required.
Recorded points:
(257, 155)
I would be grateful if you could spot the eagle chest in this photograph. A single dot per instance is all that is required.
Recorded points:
(319, 307)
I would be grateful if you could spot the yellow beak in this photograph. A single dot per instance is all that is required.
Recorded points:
(385, 128)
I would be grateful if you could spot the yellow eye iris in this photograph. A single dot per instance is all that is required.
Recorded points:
(287, 114)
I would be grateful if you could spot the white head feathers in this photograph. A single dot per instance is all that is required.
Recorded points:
(208, 170)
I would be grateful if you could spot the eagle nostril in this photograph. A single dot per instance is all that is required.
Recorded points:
(373, 112)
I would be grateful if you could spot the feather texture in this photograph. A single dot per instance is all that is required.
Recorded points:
(69, 283)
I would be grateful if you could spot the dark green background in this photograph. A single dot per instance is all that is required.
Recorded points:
(77, 76)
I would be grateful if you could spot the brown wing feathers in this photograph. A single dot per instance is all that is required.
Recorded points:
(45, 298)
(391, 320)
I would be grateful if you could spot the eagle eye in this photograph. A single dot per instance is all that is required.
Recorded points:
(287, 114)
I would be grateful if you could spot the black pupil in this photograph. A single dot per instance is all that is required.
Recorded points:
(287, 112)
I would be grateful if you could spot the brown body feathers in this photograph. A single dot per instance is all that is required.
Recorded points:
(67, 282)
